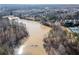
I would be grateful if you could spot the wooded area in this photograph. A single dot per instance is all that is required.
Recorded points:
(10, 36)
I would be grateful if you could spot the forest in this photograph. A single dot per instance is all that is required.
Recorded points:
(10, 36)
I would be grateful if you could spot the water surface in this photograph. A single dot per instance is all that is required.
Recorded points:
(33, 45)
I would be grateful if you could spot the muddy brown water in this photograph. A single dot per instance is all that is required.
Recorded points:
(33, 45)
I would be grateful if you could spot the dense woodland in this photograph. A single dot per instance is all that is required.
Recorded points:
(10, 36)
(61, 42)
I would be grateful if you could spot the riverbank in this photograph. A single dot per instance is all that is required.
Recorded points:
(61, 41)
(11, 36)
